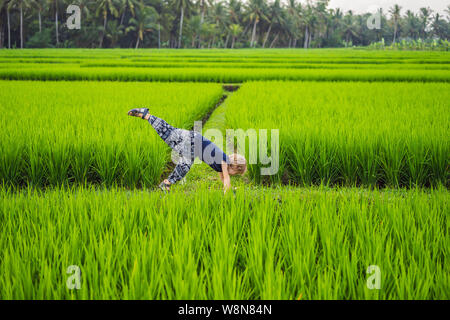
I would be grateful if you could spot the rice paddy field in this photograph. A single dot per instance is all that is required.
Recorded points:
(224, 65)
(364, 162)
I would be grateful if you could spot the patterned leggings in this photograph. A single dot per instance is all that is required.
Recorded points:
(182, 141)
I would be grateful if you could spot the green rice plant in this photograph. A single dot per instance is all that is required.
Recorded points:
(224, 65)
(327, 157)
(13, 65)
(349, 168)
(418, 163)
(220, 54)
(366, 155)
(106, 161)
(136, 162)
(275, 64)
(392, 161)
(440, 162)
(218, 74)
(11, 161)
(57, 158)
(82, 162)
(301, 158)
(259, 243)
(284, 58)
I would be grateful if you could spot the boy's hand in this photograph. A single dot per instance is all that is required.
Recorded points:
(226, 186)
(165, 185)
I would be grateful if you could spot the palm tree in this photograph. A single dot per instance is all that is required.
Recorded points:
(255, 13)
(144, 21)
(440, 27)
(361, 33)
(85, 11)
(213, 23)
(182, 5)
(234, 11)
(218, 16)
(235, 15)
(159, 7)
(425, 14)
(84, 7)
(5, 4)
(349, 27)
(335, 24)
(293, 21)
(209, 30)
(235, 30)
(411, 25)
(1, 23)
(201, 9)
(275, 17)
(56, 5)
(395, 12)
(323, 18)
(114, 31)
(39, 4)
(195, 26)
(124, 6)
(21, 5)
(103, 6)
(309, 20)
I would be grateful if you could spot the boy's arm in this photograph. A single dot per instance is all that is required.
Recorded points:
(180, 171)
(225, 177)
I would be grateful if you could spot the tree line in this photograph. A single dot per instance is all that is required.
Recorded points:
(210, 24)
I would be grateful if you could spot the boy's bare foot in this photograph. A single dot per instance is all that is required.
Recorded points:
(141, 113)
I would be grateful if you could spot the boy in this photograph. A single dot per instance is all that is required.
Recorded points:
(191, 144)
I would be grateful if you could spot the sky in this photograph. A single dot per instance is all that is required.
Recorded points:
(362, 6)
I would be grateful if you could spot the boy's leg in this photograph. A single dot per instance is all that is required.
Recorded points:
(162, 128)
(182, 168)
(177, 139)
(184, 163)
(170, 135)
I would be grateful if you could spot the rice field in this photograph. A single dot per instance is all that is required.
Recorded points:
(218, 74)
(363, 179)
(385, 134)
(224, 65)
(308, 243)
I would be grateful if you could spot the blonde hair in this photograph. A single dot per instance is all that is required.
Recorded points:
(238, 163)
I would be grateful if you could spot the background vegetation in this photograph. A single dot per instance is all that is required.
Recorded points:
(214, 24)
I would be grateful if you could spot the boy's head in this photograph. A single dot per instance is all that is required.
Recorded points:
(237, 165)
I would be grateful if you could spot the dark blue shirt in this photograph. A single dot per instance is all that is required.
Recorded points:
(210, 153)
